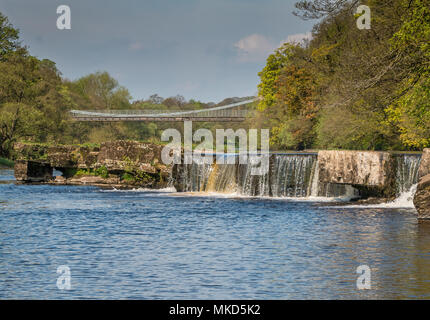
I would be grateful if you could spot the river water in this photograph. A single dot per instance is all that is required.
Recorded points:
(165, 245)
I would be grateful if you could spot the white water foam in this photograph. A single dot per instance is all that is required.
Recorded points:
(404, 201)
(164, 190)
(224, 195)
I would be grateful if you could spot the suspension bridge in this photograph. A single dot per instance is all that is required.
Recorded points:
(235, 112)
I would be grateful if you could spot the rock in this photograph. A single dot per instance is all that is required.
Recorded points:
(94, 180)
(371, 172)
(422, 198)
(87, 180)
(32, 171)
(425, 164)
(60, 180)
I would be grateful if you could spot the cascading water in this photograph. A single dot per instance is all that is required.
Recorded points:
(290, 175)
(407, 166)
(194, 177)
(407, 172)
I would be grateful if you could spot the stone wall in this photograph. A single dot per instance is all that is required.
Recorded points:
(371, 172)
(126, 162)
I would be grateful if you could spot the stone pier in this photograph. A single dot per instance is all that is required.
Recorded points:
(33, 171)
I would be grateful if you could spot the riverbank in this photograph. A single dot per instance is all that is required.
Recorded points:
(5, 163)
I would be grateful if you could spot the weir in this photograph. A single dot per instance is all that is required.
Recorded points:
(345, 174)
(293, 175)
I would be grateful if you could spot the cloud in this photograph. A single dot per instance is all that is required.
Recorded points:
(298, 38)
(136, 46)
(254, 48)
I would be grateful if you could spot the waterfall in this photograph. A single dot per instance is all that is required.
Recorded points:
(251, 185)
(292, 175)
(222, 178)
(315, 178)
(407, 166)
(194, 177)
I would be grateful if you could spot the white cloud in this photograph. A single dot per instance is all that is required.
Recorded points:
(298, 38)
(254, 48)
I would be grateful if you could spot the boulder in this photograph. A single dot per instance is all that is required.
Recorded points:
(422, 198)
(371, 171)
(425, 164)
(33, 171)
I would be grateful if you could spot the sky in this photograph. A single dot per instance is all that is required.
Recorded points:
(205, 50)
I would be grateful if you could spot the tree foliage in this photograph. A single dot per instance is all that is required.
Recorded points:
(352, 88)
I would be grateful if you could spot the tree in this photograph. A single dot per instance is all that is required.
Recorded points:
(156, 99)
(270, 73)
(100, 91)
(410, 110)
(351, 88)
(8, 37)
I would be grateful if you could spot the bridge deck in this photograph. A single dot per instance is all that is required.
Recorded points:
(228, 113)
(158, 119)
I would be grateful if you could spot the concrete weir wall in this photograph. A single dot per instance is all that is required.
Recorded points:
(422, 196)
(369, 171)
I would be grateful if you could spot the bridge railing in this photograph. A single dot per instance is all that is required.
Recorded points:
(223, 113)
(233, 111)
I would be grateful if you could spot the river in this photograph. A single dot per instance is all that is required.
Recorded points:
(164, 245)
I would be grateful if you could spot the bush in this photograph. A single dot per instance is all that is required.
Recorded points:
(6, 163)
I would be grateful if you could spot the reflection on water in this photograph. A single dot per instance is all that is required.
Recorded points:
(143, 245)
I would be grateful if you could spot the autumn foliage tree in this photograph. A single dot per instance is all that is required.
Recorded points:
(352, 88)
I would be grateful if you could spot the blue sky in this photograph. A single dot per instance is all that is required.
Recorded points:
(203, 49)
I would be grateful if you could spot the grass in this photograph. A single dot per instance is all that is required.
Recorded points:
(6, 163)
(99, 172)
